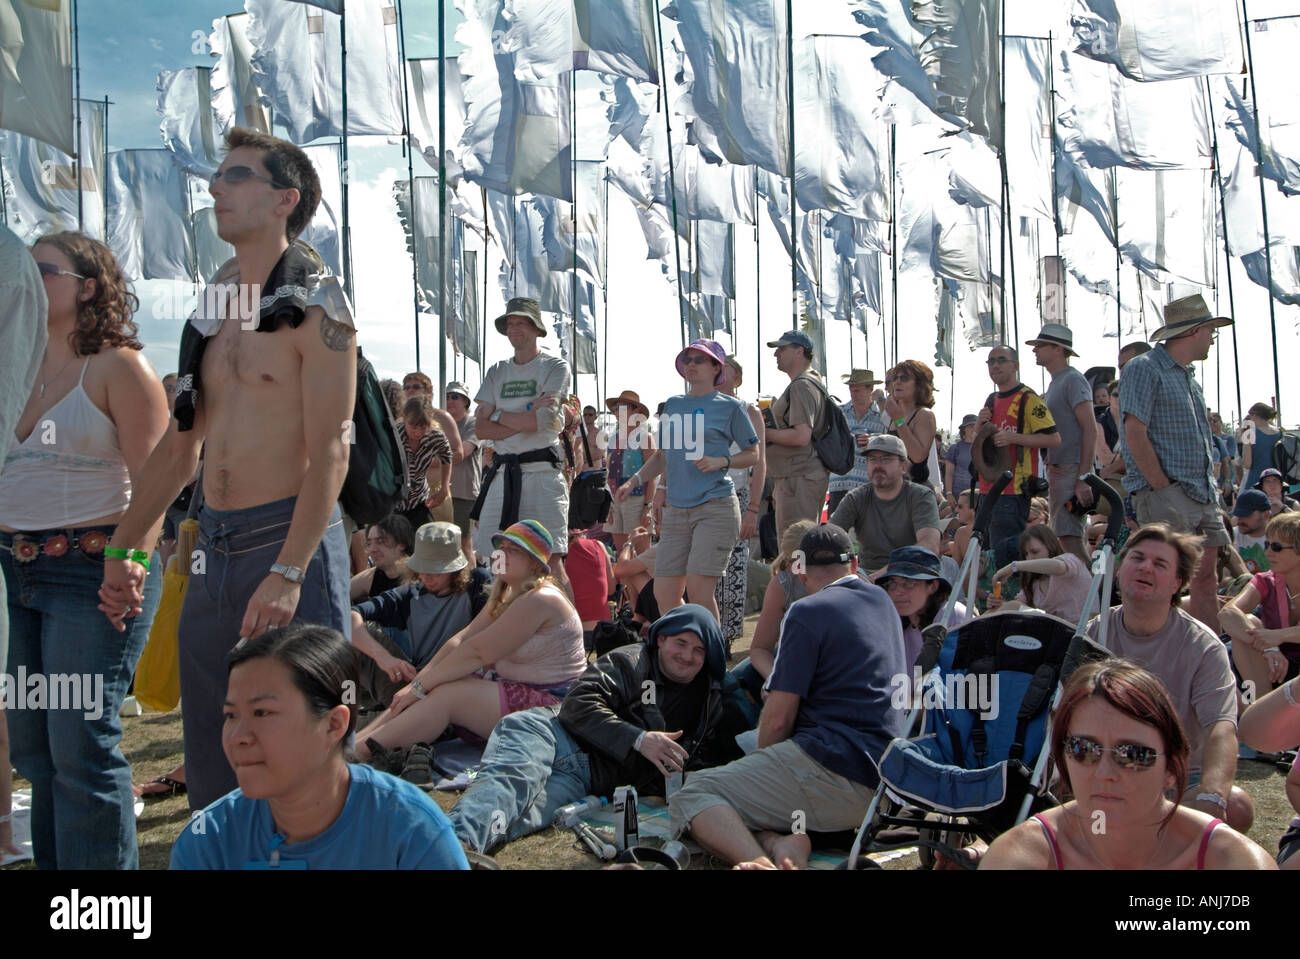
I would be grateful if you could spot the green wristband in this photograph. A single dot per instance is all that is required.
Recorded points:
(134, 555)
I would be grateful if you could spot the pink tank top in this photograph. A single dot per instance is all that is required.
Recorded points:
(69, 471)
(550, 657)
(1050, 833)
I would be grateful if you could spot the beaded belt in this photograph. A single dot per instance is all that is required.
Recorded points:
(26, 549)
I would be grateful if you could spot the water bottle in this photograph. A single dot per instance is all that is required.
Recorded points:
(566, 817)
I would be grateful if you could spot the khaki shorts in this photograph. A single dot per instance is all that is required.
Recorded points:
(1172, 505)
(698, 540)
(460, 511)
(780, 788)
(799, 497)
(1060, 488)
(624, 518)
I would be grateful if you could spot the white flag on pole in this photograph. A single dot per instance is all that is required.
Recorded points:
(236, 100)
(1160, 39)
(41, 181)
(148, 222)
(36, 71)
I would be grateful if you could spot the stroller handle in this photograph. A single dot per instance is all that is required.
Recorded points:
(1103, 490)
(985, 513)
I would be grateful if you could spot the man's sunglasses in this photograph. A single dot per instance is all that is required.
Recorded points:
(238, 174)
(995, 360)
(50, 269)
(1088, 753)
(1273, 547)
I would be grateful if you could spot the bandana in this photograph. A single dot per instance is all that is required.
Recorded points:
(294, 284)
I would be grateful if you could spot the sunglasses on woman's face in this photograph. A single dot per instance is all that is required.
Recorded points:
(691, 358)
(1087, 752)
(51, 269)
(1273, 547)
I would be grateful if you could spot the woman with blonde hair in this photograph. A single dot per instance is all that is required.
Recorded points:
(523, 650)
(1266, 648)
(95, 412)
(783, 589)
(908, 406)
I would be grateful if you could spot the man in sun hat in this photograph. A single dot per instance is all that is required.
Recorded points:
(865, 421)
(799, 480)
(1069, 400)
(630, 445)
(519, 410)
(1168, 447)
(423, 615)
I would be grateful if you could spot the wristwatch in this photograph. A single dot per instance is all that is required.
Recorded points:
(292, 573)
(496, 416)
(1082, 477)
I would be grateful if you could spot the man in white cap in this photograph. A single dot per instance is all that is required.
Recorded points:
(1069, 399)
(862, 412)
(799, 479)
(466, 466)
(1167, 441)
(519, 411)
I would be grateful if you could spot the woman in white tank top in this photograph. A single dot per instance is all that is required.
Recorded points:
(94, 415)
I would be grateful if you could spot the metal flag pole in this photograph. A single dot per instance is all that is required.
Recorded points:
(893, 243)
(442, 200)
(789, 111)
(758, 291)
(76, 106)
(604, 365)
(1263, 209)
(103, 187)
(487, 237)
(343, 156)
(573, 212)
(410, 181)
(672, 181)
(1114, 193)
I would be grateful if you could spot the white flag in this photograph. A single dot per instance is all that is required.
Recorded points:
(36, 71)
(1166, 224)
(325, 230)
(148, 222)
(1160, 39)
(236, 100)
(550, 37)
(961, 54)
(190, 128)
(41, 181)
(297, 62)
(1029, 135)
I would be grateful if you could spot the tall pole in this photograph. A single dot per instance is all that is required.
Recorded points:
(789, 96)
(1227, 255)
(442, 200)
(343, 155)
(1005, 213)
(604, 364)
(893, 240)
(672, 185)
(758, 291)
(410, 182)
(103, 186)
(1263, 209)
(76, 105)
(1114, 193)
(487, 236)
(573, 212)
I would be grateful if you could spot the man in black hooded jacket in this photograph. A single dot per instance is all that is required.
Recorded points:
(638, 715)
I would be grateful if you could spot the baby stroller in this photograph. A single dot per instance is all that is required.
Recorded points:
(978, 761)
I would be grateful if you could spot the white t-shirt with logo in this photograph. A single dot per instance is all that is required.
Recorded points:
(515, 388)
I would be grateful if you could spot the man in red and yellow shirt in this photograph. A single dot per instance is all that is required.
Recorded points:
(1026, 425)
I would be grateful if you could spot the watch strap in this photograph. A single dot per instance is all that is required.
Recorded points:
(292, 573)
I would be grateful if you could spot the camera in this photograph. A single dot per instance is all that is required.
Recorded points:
(1075, 508)
(1034, 486)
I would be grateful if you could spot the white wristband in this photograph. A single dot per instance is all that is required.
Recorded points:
(1214, 798)
(1290, 696)
(418, 688)
(639, 740)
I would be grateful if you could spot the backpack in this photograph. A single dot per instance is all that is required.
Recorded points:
(1286, 457)
(589, 496)
(833, 443)
(376, 483)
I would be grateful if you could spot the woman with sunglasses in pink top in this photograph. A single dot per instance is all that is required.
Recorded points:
(1121, 751)
(1266, 648)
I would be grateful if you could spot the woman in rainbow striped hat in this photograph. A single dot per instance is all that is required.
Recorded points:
(523, 650)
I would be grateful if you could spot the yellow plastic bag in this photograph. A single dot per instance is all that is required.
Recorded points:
(158, 675)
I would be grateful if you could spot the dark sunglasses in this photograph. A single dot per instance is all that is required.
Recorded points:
(899, 378)
(1088, 753)
(696, 358)
(49, 269)
(1273, 547)
(995, 360)
(238, 174)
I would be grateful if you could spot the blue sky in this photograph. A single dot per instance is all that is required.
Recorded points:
(125, 43)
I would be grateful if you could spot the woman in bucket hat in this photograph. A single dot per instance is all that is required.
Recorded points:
(523, 650)
(701, 520)
(918, 590)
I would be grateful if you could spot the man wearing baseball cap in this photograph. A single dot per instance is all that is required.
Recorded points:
(826, 721)
(519, 411)
(1167, 442)
(889, 511)
(862, 412)
(466, 466)
(1069, 400)
(799, 480)
(1252, 512)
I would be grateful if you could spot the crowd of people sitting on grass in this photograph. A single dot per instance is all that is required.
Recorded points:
(322, 661)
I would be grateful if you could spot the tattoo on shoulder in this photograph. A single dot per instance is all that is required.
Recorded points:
(334, 334)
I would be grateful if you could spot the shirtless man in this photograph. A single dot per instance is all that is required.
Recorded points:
(269, 394)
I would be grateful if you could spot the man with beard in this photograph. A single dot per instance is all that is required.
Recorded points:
(889, 511)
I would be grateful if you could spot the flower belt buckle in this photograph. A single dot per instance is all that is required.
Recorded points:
(55, 546)
(24, 550)
(93, 542)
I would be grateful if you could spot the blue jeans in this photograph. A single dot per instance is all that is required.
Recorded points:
(82, 806)
(531, 768)
(1010, 515)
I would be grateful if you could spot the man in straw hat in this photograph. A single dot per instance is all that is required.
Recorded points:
(865, 420)
(1069, 400)
(631, 444)
(519, 411)
(1167, 444)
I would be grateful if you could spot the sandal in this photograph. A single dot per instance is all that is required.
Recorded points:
(419, 765)
(172, 787)
(384, 759)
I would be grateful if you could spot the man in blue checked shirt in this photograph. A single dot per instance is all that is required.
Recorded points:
(1167, 441)
(865, 421)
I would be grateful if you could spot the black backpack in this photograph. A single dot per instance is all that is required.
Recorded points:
(589, 496)
(376, 483)
(1286, 457)
(833, 442)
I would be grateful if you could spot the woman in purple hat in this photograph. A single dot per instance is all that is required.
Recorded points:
(701, 518)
